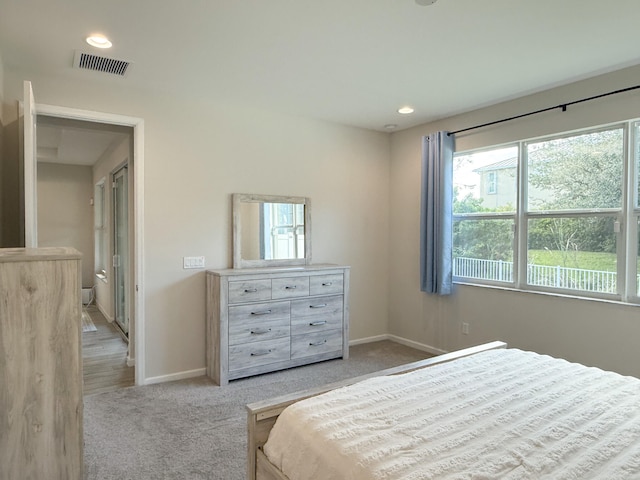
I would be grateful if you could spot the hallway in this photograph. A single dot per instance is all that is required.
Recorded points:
(104, 356)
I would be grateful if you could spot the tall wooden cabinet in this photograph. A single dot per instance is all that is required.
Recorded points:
(40, 364)
(265, 319)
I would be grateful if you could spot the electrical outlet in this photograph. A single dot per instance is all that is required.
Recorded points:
(465, 328)
(192, 262)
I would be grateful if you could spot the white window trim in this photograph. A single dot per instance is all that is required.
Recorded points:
(628, 216)
(101, 230)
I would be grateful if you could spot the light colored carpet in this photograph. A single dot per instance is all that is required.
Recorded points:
(87, 323)
(193, 429)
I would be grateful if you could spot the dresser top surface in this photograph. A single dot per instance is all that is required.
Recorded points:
(277, 270)
(38, 254)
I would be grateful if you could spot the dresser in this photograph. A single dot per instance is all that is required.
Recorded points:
(40, 364)
(265, 319)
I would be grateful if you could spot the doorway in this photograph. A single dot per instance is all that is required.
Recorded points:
(136, 348)
(73, 159)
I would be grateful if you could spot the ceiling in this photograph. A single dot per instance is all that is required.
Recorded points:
(354, 62)
(74, 142)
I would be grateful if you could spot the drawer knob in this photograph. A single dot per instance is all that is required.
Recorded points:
(261, 312)
(250, 290)
(317, 344)
(260, 331)
(290, 287)
(319, 305)
(327, 284)
(318, 323)
(259, 354)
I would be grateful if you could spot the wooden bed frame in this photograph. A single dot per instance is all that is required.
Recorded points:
(262, 415)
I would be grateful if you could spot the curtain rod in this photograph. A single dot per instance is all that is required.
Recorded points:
(562, 106)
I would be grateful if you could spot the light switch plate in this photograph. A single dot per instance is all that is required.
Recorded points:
(192, 262)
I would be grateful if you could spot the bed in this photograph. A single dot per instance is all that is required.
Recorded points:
(481, 413)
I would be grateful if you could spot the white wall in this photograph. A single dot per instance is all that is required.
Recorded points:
(594, 333)
(65, 215)
(197, 153)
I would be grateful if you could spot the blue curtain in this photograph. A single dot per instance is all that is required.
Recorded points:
(436, 214)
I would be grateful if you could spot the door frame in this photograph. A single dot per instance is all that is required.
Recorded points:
(138, 215)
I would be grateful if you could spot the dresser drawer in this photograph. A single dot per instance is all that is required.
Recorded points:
(316, 343)
(316, 314)
(290, 287)
(258, 322)
(255, 354)
(249, 291)
(326, 284)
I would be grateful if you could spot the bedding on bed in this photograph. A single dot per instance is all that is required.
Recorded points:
(501, 414)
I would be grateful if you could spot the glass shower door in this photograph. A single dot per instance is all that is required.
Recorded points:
(121, 248)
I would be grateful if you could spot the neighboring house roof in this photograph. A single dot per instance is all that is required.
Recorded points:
(501, 165)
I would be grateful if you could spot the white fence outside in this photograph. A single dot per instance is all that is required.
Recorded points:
(496, 270)
(541, 275)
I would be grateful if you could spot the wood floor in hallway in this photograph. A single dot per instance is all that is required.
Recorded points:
(104, 356)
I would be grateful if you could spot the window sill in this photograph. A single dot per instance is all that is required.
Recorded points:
(548, 294)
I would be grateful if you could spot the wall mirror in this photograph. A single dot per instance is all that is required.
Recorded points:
(271, 231)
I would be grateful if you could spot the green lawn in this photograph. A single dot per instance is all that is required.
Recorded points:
(605, 262)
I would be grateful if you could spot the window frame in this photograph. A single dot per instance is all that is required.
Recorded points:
(628, 216)
(100, 229)
(492, 183)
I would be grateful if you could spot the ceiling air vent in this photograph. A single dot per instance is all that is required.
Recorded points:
(88, 61)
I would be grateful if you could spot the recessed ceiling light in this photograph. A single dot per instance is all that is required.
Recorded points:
(405, 110)
(99, 41)
(391, 126)
(426, 2)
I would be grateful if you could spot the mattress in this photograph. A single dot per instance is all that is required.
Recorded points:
(506, 414)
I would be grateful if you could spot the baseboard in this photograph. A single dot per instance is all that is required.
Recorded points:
(109, 318)
(198, 372)
(403, 341)
(417, 345)
(377, 338)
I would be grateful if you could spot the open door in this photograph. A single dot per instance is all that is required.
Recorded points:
(30, 168)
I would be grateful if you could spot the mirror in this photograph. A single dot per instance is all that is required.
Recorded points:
(271, 230)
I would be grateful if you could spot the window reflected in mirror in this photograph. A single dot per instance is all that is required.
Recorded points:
(270, 230)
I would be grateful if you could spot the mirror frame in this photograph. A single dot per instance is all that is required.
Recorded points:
(238, 261)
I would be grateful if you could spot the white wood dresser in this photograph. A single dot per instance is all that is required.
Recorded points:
(40, 364)
(265, 319)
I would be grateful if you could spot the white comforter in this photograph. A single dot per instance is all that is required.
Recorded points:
(504, 414)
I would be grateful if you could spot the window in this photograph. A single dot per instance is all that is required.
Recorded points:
(558, 221)
(483, 223)
(492, 183)
(99, 229)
